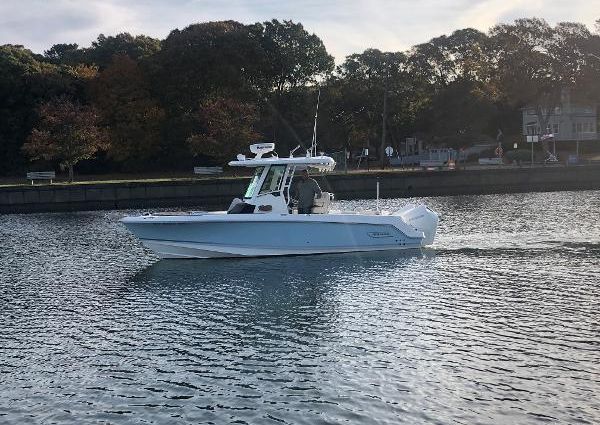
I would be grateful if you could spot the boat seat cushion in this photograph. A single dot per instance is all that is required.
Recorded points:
(240, 207)
(321, 205)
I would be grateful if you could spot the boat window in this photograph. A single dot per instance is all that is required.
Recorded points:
(273, 180)
(254, 182)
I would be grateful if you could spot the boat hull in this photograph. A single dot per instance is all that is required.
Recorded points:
(222, 236)
(182, 250)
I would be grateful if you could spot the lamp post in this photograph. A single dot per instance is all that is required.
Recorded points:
(532, 151)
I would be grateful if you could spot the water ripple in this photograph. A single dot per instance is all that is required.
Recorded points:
(497, 323)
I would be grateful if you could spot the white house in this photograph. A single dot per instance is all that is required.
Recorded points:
(568, 122)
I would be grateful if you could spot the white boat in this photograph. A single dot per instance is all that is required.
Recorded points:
(265, 222)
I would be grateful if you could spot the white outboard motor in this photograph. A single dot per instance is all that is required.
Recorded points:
(422, 218)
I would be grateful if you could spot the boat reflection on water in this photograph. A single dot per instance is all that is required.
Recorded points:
(275, 270)
(266, 299)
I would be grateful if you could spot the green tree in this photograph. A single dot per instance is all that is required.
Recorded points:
(362, 82)
(458, 115)
(68, 132)
(289, 116)
(294, 57)
(204, 60)
(523, 70)
(583, 47)
(64, 54)
(444, 59)
(105, 47)
(17, 65)
(534, 64)
(293, 61)
(132, 116)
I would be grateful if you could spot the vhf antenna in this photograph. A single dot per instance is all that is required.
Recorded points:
(313, 146)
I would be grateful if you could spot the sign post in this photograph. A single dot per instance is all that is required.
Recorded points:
(389, 151)
(532, 140)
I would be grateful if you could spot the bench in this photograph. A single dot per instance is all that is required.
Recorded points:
(41, 175)
(208, 170)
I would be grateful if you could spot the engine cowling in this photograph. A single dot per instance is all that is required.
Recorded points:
(421, 218)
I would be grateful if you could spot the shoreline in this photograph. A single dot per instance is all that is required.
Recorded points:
(217, 193)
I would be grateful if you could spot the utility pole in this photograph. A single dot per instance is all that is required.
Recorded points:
(384, 116)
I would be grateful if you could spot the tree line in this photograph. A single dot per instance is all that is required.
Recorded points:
(135, 103)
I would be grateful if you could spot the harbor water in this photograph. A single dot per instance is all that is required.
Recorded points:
(498, 323)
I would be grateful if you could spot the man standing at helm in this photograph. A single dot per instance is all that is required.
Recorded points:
(305, 191)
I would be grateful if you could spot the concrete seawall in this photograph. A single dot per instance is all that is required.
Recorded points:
(211, 194)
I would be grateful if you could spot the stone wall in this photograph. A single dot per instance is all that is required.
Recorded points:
(211, 194)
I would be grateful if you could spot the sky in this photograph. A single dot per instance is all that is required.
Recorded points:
(345, 27)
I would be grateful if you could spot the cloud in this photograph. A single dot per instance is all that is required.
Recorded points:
(39, 24)
(346, 27)
(487, 13)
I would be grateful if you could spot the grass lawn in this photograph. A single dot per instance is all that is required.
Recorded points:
(114, 178)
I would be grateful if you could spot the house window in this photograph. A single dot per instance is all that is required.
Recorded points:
(555, 128)
(574, 128)
(579, 127)
(557, 110)
(532, 129)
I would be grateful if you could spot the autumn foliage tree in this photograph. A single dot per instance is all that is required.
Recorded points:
(67, 132)
(227, 128)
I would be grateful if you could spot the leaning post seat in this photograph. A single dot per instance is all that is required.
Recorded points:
(321, 205)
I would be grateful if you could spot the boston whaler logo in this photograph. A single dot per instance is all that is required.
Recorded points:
(379, 234)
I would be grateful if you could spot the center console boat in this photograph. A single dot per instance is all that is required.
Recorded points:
(265, 223)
